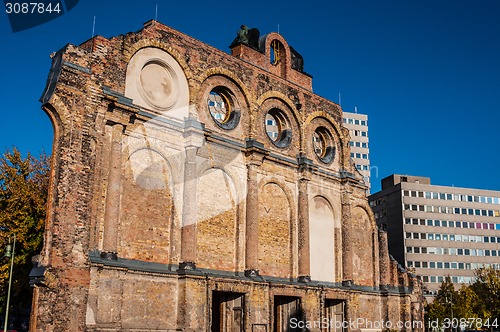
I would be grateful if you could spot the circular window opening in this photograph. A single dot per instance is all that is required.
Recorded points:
(323, 145)
(278, 128)
(221, 105)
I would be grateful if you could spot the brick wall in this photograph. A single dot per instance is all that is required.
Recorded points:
(156, 205)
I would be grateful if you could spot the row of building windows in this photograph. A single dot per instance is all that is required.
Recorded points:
(454, 279)
(359, 144)
(360, 133)
(452, 237)
(452, 223)
(362, 167)
(355, 121)
(378, 201)
(452, 197)
(451, 210)
(453, 251)
(449, 265)
(359, 155)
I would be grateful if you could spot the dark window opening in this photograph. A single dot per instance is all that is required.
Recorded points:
(334, 312)
(287, 314)
(227, 312)
(277, 52)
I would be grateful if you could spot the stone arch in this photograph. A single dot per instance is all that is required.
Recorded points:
(155, 80)
(57, 111)
(323, 144)
(282, 185)
(339, 130)
(343, 140)
(363, 247)
(366, 208)
(291, 199)
(234, 92)
(237, 183)
(275, 231)
(333, 196)
(322, 239)
(280, 96)
(153, 148)
(375, 239)
(131, 50)
(286, 115)
(265, 42)
(144, 135)
(216, 228)
(146, 208)
(322, 228)
(230, 75)
(266, 45)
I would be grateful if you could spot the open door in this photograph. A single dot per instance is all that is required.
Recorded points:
(227, 312)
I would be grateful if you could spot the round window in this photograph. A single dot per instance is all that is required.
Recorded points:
(323, 145)
(221, 105)
(278, 128)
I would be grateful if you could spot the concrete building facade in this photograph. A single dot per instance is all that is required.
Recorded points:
(439, 230)
(172, 208)
(357, 124)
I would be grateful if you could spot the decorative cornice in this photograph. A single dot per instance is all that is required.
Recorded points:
(175, 271)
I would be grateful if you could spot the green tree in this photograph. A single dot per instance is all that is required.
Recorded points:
(477, 306)
(444, 305)
(487, 289)
(466, 303)
(23, 197)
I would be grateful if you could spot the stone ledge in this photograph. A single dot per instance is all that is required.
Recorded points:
(174, 270)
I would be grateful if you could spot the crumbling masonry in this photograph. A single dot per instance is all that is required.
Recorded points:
(195, 190)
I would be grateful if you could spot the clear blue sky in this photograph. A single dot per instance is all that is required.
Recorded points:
(426, 72)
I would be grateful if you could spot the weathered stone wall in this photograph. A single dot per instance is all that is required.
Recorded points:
(146, 208)
(159, 204)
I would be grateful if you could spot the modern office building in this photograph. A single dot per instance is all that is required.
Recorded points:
(360, 151)
(439, 230)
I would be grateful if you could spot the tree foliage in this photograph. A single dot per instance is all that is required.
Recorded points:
(466, 304)
(475, 306)
(444, 304)
(487, 288)
(23, 196)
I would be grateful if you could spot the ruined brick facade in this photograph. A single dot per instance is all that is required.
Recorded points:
(195, 190)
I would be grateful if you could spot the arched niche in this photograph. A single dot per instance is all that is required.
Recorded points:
(146, 208)
(274, 232)
(278, 52)
(363, 247)
(216, 221)
(322, 239)
(156, 81)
